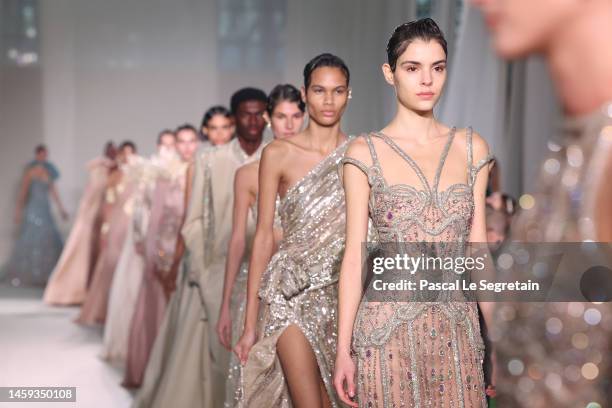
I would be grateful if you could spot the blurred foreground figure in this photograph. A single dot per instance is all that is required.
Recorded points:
(558, 354)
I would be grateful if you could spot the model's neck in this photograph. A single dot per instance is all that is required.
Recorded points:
(420, 126)
(580, 60)
(249, 146)
(323, 138)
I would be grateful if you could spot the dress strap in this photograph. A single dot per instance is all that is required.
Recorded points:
(474, 169)
(368, 140)
(358, 163)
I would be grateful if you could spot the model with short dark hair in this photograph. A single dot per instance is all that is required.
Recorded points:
(418, 180)
(288, 341)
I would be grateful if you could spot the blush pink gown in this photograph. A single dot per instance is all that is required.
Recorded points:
(165, 220)
(68, 282)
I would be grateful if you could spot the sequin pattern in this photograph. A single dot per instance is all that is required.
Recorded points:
(558, 354)
(416, 354)
(300, 284)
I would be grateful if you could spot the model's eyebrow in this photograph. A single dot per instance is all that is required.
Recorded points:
(418, 63)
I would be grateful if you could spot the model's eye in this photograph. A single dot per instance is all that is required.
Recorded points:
(411, 68)
(440, 68)
(340, 91)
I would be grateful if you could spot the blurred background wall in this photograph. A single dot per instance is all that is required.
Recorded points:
(77, 73)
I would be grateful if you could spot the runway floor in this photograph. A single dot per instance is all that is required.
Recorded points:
(41, 346)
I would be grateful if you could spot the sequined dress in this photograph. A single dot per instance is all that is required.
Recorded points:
(299, 287)
(39, 244)
(553, 353)
(233, 389)
(408, 353)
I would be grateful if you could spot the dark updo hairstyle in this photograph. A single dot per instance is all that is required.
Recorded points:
(209, 114)
(424, 29)
(110, 150)
(185, 126)
(215, 110)
(282, 93)
(163, 133)
(325, 60)
(128, 143)
(40, 149)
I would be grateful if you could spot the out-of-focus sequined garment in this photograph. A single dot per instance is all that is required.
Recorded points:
(39, 244)
(409, 353)
(299, 286)
(233, 390)
(560, 354)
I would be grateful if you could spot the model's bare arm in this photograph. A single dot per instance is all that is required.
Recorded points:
(357, 192)
(236, 248)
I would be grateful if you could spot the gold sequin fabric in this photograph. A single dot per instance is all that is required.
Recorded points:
(299, 287)
(555, 354)
(409, 353)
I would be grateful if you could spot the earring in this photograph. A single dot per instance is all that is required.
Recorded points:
(268, 125)
(350, 95)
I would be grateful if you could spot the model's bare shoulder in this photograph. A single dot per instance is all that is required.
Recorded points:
(480, 147)
(358, 149)
(247, 174)
(279, 151)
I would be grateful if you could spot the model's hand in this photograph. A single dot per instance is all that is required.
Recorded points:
(344, 373)
(224, 327)
(244, 345)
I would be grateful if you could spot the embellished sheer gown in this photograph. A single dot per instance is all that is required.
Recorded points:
(417, 353)
(299, 286)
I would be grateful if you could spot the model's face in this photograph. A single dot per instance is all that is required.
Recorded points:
(167, 141)
(166, 148)
(186, 144)
(125, 154)
(42, 155)
(520, 27)
(419, 76)
(110, 151)
(326, 96)
(286, 120)
(250, 121)
(219, 129)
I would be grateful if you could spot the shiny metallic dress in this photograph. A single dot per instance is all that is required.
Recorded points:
(554, 353)
(300, 284)
(233, 389)
(409, 353)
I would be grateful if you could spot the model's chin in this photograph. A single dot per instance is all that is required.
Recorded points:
(327, 120)
(510, 46)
